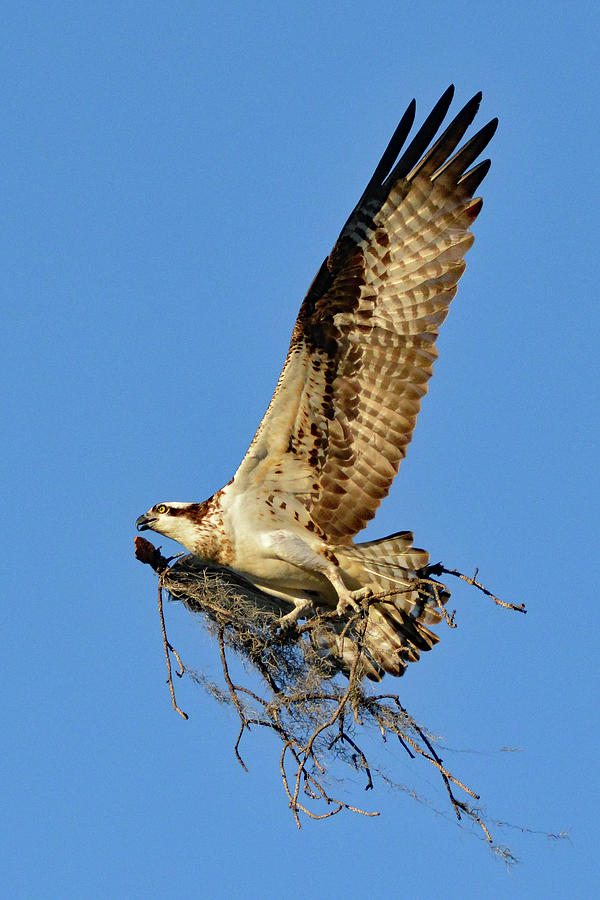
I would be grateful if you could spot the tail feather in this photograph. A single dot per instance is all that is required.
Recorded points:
(394, 549)
(397, 630)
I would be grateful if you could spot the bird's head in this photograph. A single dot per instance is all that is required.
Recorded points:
(178, 521)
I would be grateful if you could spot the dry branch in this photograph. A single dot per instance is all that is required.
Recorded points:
(317, 715)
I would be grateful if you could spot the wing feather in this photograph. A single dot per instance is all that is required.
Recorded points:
(363, 347)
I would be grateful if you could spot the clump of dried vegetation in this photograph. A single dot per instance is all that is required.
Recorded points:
(319, 716)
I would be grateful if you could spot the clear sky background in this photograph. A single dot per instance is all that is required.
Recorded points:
(172, 176)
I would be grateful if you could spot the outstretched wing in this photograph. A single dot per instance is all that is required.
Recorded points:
(363, 347)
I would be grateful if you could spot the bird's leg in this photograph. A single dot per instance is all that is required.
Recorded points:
(290, 547)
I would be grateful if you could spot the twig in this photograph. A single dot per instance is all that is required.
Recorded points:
(439, 569)
(168, 647)
(342, 736)
(178, 658)
(235, 698)
(300, 702)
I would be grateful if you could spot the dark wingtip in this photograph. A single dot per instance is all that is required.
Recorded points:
(471, 180)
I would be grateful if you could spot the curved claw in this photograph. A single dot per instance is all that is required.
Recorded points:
(352, 601)
(283, 627)
(346, 606)
(287, 624)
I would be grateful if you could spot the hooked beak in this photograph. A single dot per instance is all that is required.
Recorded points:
(145, 522)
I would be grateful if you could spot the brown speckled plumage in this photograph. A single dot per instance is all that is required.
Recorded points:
(366, 330)
(213, 541)
(346, 403)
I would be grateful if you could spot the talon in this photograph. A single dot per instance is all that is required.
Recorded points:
(353, 601)
(345, 605)
(362, 594)
(287, 625)
(283, 627)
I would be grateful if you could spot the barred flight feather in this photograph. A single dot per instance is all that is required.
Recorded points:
(384, 290)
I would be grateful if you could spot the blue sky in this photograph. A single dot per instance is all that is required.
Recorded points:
(173, 174)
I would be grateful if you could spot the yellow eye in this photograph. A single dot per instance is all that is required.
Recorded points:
(161, 508)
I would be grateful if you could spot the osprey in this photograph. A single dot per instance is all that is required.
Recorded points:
(346, 404)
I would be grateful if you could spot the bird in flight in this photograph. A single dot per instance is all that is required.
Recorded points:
(346, 404)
